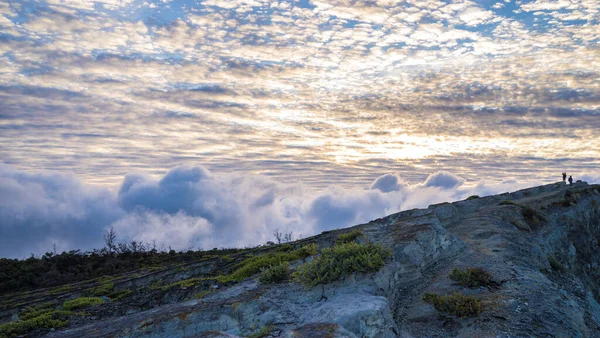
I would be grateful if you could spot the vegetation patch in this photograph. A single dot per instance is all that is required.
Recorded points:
(35, 311)
(455, 304)
(471, 277)
(263, 332)
(185, 283)
(201, 294)
(42, 322)
(275, 273)
(102, 290)
(118, 295)
(508, 202)
(473, 197)
(81, 302)
(349, 237)
(340, 261)
(255, 264)
(556, 265)
(62, 289)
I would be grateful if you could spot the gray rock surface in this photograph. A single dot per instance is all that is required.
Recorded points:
(511, 240)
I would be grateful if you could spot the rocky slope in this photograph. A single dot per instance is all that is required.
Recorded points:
(541, 247)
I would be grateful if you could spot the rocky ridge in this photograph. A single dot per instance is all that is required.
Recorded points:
(541, 247)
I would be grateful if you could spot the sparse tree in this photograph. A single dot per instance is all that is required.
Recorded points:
(135, 246)
(278, 236)
(110, 239)
(288, 237)
(283, 237)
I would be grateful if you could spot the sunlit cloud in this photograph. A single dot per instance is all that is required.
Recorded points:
(191, 207)
(319, 92)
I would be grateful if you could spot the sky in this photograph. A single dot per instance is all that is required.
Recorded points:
(212, 123)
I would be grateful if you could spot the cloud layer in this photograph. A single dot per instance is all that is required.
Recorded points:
(190, 207)
(329, 92)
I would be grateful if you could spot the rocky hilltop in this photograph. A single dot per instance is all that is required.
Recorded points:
(521, 264)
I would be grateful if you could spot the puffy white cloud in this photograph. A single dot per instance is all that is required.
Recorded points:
(443, 179)
(387, 183)
(192, 207)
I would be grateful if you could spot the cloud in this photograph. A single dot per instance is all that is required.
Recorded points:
(192, 207)
(40, 209)
(387, 183)
(443, 180)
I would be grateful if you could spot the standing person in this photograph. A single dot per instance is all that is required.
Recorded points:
(571, 180)
(564, 177)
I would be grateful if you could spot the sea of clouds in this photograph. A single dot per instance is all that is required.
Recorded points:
(191, 207)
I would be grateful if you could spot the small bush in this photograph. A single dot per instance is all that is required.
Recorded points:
(201, 294)
(255, 264)
(471, 277)
(472, 197)
(263, 332)
(62, 289)
(44, 321)
(455, 304)
(81, 302)
(102, 290)
(307, 250)
(36, 311)
(275, 274)
(555, 264)
(348, 237)
(528, 212)
(284, 248)
(185, 283)
(341, 260)
(118, 295)
(508, 202)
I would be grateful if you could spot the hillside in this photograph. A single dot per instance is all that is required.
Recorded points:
(521, 264)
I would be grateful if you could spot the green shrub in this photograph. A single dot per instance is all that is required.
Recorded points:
(275, 273)
(307, 250)
(555, 264)
(456, 304)
(528, 212)
(471, 277)
(348, 237)
(118, 295)
(263, 332)
(201, 294)
(36, 311)
(472, 197)
(185, 283)
(284, 248)
(341, 260)
(81, 302)
(44, 321)
(102, 290)
(255, 264)
(508, 202)
(62, 289)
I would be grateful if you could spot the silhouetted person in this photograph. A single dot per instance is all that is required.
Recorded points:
(564, 177)
(571, 180)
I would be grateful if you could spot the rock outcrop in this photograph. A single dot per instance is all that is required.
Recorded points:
(541, 247)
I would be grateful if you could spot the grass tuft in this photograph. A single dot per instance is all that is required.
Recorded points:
(103, 290)
(340, 261)
(455, 304)
(349, 237)
(471, 277)
(81, 302)
(556, 265)
(275, 273)
(263, 332)
(118, 295)
(42, 322)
